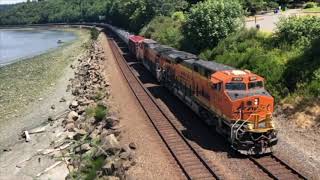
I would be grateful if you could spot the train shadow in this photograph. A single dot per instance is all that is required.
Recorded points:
(193, 128)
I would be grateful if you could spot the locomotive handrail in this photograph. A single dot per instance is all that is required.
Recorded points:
(236, 133)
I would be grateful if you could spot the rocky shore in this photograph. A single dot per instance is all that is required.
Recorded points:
(82, 141)
(93, 132)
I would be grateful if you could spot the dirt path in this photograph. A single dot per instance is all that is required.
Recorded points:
(153, 160)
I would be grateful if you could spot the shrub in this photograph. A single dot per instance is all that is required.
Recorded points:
(248, 50)
(166, 30)
(273, 5)
(298, 30)
(94, 33)
(304, 69)
(310, 5)
(100, 112)
(210, 21)
(179, 16)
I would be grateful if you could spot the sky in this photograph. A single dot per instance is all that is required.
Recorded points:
(11, 1)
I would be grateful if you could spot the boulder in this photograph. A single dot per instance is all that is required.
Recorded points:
(110, 143)
(126, 155)
(74, 104)
(70, 126)
(132, 145)
(79, 133)
(112, 121)
(108, 168)
(73, 115)
(81, 110)
(85, 147)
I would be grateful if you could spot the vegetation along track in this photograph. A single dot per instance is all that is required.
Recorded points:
(190, 160)
(276, 168)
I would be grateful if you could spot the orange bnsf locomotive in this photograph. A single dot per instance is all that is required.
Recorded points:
(234, 101)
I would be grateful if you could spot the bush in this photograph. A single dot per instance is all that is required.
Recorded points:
(166, 30)
(179, 16)
(304, 69)
(100, 112)
(273, 5)
(249, 49)
(298, 30)
(310, 5)
(210, 21)
(94, 33)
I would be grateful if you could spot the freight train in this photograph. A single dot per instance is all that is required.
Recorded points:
(233, 101)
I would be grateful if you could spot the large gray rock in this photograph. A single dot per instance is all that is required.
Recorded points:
(74, 104)
(73, 115)
(110, 143)
(70, 127)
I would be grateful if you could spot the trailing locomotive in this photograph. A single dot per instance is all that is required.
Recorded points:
(234, 101)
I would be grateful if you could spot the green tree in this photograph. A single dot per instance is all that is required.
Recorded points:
(298, 30)
(166, 30)
(212, 20)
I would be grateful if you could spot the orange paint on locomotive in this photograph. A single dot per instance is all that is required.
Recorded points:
(231, 95)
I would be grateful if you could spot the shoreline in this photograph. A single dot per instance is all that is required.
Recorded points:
(44, 52)
(29, 88)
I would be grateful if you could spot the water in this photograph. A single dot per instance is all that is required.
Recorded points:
(17, 44)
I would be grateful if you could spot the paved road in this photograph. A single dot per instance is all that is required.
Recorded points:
(268, 21)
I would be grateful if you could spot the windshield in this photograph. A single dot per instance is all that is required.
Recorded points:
(255, 85)
(235, 86)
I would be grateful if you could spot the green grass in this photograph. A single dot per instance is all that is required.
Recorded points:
(312, 10)
(98, 112)
(24, 82)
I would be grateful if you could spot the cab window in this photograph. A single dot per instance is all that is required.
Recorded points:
(235, 86)
(255, 85)
(216, 87)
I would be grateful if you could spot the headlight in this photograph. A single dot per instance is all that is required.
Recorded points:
(250, 126)
(270, 124)
(256, 101)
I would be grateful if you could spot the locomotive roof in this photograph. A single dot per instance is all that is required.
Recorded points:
(161, 48)
(149, 41)
(176, 55)
(212, 65)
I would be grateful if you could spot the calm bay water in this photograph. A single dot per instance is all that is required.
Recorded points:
(16, 44)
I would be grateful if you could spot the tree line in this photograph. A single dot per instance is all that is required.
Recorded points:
(213, 29)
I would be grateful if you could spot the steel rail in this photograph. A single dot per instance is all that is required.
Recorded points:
(193, 165)
(276, 168)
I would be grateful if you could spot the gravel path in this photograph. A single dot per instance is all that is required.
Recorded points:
(268, 21)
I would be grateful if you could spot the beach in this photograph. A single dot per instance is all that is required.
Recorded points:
(30, 89)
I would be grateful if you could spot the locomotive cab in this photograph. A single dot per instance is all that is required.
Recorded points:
(248, 107)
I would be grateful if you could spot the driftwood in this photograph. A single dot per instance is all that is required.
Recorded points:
(64, 146)
(38, 130)
(49, 168)
(27, 136)
(47, 151)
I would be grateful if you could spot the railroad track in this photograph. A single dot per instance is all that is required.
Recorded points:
(189, 159)
(276, 168)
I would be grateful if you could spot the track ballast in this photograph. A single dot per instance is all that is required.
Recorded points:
(192, 163)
